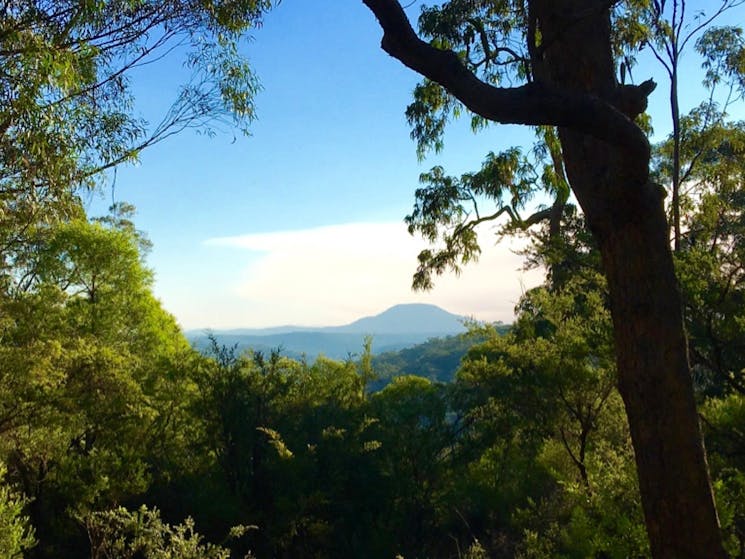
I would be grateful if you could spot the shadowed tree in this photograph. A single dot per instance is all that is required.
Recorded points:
(563, 52)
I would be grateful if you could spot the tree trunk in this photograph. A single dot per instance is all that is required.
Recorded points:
(655, 383)
(625, 213)
(607, 163)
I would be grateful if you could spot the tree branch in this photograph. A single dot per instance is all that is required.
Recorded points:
(534, 103)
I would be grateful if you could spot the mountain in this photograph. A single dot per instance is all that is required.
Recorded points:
(396, 328)
(405, 319)
(400, 319)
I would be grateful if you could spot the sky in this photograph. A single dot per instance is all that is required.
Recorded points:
(302, 222)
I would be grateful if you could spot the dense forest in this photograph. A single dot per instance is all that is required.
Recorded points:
(120, 440)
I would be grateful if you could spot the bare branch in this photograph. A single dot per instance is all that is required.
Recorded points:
(726, 5)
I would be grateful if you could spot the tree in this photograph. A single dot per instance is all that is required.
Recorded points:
(66, 110)
(565, 57)
(414, 435)
(711, 261)
(667, 33)
(93, 387)
(703, 159)
(550, 383)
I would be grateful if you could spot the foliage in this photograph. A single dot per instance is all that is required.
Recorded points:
(414, 435)
(523, 451)
(68, 108)
(446, 212)
(120, 534)
(67, 111)
(91, 365)
(16, 533)
(437, 359)
(495, 50)
(711, 260)
(724, 423)
(548, 388)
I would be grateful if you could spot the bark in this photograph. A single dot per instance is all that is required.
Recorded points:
(655, 383)
(607, 165)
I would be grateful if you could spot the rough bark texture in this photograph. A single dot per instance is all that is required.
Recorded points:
(655, 382)
(625, 212)
(607, 164)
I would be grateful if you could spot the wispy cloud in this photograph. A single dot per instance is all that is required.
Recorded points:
(337, 273)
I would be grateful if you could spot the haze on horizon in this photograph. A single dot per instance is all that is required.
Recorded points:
(344, 272)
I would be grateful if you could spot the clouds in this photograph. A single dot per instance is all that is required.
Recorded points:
(338, 273)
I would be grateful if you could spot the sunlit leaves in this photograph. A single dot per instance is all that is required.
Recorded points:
(548, 388)
(723, 49)
(710, 262)
(723, 421)
(119, 533)
(90, 371)
(16, 533)
(67, 109)
(449, 209)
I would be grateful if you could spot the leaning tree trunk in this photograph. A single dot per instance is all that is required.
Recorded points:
(625, 213)
(655, 382)
(607, 163)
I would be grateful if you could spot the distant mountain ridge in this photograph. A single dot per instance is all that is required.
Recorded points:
(398, 319)
(395, 328)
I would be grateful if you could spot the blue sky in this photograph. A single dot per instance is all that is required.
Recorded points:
(302, 222)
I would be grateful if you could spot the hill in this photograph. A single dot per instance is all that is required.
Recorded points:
(437, 359)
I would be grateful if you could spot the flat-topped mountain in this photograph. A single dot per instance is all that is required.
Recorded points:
(395, 328)
(409, 318)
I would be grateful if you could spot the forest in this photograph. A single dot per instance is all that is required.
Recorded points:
(556, 437)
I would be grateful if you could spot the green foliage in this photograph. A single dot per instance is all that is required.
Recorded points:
(121, 534)
(94, 396)
(489, 37)
(291, 439)
(524, 452)
(710, 262)
(414, 436)
(723, 49)
(68, 110)
(730, 493)
(548, 388)
(428, 116)
(437, 359)
(447, 210)
(724, 427)
(16, 532)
